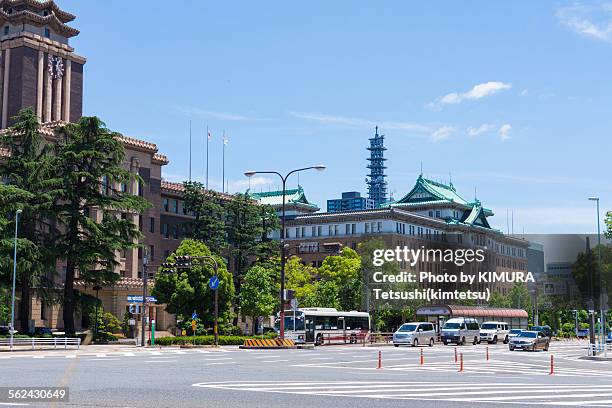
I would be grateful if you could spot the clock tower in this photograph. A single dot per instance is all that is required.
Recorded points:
(38, 67)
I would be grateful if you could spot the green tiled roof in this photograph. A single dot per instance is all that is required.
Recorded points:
(431, 191)
(294, 196)
(477, 217)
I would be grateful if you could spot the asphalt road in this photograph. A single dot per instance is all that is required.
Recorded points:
(334, 376)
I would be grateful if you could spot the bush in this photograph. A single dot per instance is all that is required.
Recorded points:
(208, 340)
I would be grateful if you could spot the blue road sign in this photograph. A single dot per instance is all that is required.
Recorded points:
(194, 315)
(214, 282)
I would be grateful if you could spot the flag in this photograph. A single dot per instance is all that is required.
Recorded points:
(209, 135)
(225, 140)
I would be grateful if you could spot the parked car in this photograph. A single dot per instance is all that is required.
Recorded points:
(583, 333)
(513, 333)
(609, 337)
(39, 331)
(414, 334)
(530, 340)
(544, 329)
(459, 330)
(492, 332)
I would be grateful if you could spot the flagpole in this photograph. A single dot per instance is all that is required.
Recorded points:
(189, 150)
(207, 142)
(223, 177)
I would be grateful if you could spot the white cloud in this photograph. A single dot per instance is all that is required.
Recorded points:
(591, 21)
(362, 123)
(524, 92)
(477, 92)
(484, 128)
(442, 133)
(504, 131)
(203, 113)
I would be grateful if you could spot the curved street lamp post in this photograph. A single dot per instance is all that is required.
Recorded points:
(284, 178)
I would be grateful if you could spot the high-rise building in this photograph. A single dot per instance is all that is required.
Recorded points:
(350, 201)
(377, 185)
(38, 68)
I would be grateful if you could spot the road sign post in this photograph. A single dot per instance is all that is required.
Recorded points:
(213, 283)
(294, 305)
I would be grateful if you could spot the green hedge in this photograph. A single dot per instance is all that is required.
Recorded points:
(208, 340)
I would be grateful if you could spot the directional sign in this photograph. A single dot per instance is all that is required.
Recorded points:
(214, 282)
(138, 299)
(194, 315)
(294, 303)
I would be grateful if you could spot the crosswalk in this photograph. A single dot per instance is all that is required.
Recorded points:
(510, 393)
(114, 354)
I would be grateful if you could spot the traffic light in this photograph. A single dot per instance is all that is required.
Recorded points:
(168, 267)
(183, 261)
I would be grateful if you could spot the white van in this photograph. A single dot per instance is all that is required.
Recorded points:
(460, 330)
(415, 334)
(493, 332)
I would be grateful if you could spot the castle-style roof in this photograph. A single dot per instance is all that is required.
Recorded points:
(293, 197)
(32, 12)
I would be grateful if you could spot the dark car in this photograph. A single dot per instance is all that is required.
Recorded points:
(544, 329)
(39, 331)
(529, 340)
(5, 330)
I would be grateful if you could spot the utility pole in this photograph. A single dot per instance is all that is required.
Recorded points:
(143, 313)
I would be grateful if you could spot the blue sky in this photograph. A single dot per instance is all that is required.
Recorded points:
(513, 99)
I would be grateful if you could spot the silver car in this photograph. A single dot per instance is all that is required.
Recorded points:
(415, 334)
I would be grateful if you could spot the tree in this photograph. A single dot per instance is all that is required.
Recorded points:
(28, 169)
(186, 289)
(345, 271)
(90, 178)
(499, 300)
(609, 224)
(519, 297)
(208, 224)
(325, 294)
(257, 295)
(586, 268)
(300, 278)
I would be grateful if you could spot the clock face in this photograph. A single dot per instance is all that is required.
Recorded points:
(55, 67)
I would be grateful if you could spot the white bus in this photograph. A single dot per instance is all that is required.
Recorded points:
(321, 325)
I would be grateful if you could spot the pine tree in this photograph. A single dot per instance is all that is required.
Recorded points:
(27, 170)
(91, 206)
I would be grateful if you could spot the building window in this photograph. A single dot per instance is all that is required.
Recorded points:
(347, 229)
(313, 231)
(367, 227)
(330, 230)
(175, 231)
(319, 230)
(166, 204)
(47, 33)
(151, 252)
(175, 206)
(297, 232)
(379, 226)
(431, 213)
(353, 228)
(165, 231)
(437, 213)
(6, 30)
(151, 224)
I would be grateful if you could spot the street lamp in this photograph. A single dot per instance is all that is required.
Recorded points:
(318, 167)
(602, 329)
(143, 312)
(14, 277)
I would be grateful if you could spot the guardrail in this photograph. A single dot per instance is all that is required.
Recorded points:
(39, 342)
(599, 349)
